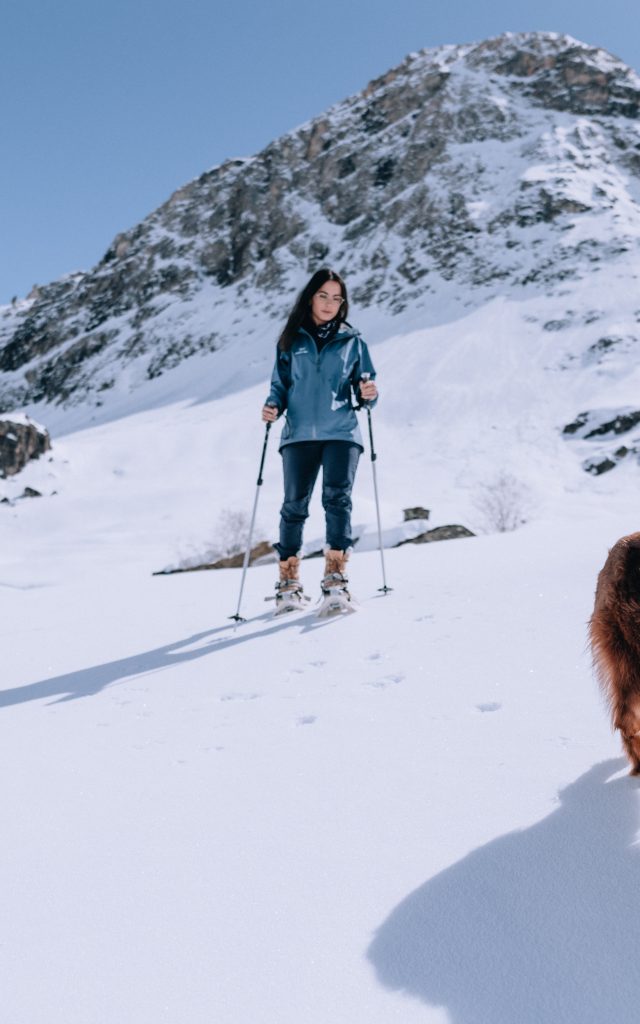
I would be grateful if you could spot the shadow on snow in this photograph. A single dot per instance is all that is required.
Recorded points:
(539, 925)
(88, 681)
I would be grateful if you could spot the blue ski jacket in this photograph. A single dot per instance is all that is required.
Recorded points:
(315, 389)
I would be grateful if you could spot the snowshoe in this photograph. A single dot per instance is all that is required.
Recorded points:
(289, 600)
(335, 597)
(289, 596)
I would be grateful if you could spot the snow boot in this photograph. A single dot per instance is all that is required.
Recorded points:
(335, 595)
(289, 595)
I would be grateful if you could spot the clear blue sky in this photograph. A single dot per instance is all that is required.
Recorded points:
(107, 107)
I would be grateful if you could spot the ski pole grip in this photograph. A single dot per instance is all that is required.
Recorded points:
(365, 402)
(264, 452)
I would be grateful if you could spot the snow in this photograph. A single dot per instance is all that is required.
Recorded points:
(23, 420)
(308, 820)
(415, 813)
(549, 192)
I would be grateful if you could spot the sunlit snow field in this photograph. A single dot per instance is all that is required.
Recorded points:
(414, 813)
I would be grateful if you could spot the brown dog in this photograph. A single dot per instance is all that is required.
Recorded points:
(614, 631)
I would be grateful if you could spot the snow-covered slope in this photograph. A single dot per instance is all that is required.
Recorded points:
(508, 167)
(416, 813)
(462, 404)
(304, 820)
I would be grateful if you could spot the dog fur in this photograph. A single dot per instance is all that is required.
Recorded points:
(614, 631)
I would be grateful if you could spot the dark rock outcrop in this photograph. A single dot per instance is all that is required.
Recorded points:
(260, 553)
(590, 425)
(19, 443)
(601, 425)
(439, 533)
(417, 512)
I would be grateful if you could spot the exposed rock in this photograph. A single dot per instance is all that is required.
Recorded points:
(20, 441)
(439, 533)
(602, 423)
(415, 513)
(605, 462)
(618, 425)
(439, 170)
(556, 325)
(30, 492)
(598, 425)
(577, 424)
(260, 553)
(598, 466)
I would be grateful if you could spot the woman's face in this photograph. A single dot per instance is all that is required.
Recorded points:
(326, 302)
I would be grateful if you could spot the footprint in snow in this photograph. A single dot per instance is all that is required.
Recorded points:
(381, 684)
(239, 696)
(306, 720)
(490, 706)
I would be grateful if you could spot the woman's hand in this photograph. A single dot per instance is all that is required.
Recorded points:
(368, 390)
(269, 413)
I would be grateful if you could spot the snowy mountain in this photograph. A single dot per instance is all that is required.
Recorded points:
(482, 201)
(468, 174)
(416, 813)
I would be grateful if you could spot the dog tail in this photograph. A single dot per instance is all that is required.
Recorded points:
(614, 632)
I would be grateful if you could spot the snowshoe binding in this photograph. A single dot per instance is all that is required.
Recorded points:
(289, 595)
(335, 597)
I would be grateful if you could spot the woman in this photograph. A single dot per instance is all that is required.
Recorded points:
(321, 362)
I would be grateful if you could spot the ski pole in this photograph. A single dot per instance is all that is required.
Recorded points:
(237, 618)
(384, 588)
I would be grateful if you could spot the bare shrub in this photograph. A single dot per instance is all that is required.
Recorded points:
(230, 537)
(503, 503)
(232, 532)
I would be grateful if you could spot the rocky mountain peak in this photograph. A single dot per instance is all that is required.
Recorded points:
(464, 171)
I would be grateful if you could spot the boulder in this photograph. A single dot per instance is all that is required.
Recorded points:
(439, 533)
(20, 441)
(260, 553)
(418, 512)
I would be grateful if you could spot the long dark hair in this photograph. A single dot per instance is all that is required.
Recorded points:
(303, 304)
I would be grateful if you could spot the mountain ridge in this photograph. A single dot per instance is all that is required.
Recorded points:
(509, 166)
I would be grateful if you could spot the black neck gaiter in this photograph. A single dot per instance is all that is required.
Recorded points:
(321, 333)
